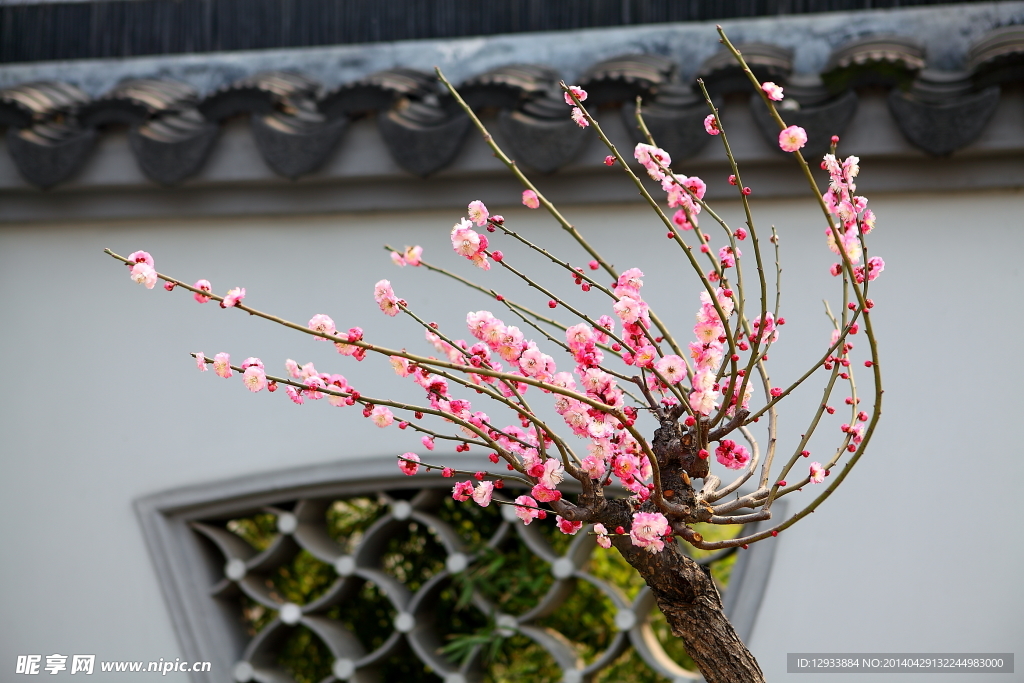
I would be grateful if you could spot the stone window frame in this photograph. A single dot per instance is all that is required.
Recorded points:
(210, 630)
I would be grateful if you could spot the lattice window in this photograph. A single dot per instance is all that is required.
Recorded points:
(352, 573)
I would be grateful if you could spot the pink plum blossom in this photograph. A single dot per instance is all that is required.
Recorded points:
(648, 531)
(567, 527)
(875, 267)
(579, 92)
(381, 416)
(400, 366)
(530, 199)
(774, 92)
(233, 297)
(594, 466)
(409, 468)
(201, 361)
(322, 323)
(703, 402)
(602, 536)
(478, 213)
(628, 309)
(398, 259)
(793, 138)
(525, 509)
(654, 159)
(727, 255)
(386, 299)
(206, 287)
(545, 495)
(144, 274)
(222, 365)
(137, 257)
(255, 378)
(313, 386)
(732, 455)
(579, 118)
(250, 362)
(817, 473)
(462, 491)
(672, 368)
(428, 442)
(482, 493)
(552, 475)
(414, 255)
(681, 220)
(711, 125)
(465, 240)
(294, 395)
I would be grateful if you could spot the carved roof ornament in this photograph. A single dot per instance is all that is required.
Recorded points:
(942, 111)
(509, 86)
(297, 126)
(887, 61)
(44, 137)
(623, 78)
(998, 57)
(722, 75)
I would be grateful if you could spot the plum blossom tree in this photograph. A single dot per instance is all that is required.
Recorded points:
(638, 491)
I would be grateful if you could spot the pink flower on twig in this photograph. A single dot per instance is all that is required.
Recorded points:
(774, 92)
(567, 527)
(478, 213)
(579, 92)
(233, 297)
(409, 468)
(205, 286)
(793, 138)
(222, 365)
(649, 530)
(255, 378)
(322, 323)
(462, 491)
(525, 509)
(381, 416)
(144, 274)
(482, 493)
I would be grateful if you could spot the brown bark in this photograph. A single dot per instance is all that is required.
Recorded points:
(689, 599)
(683, 590)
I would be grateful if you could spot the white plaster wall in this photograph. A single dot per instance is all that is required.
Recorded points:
(918, 551)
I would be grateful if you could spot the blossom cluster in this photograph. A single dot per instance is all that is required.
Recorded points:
(855, 219)
(586, 396)
(143, 271)
(577, 113)
(468, 242)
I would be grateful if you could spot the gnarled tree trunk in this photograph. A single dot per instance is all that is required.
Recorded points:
(689, 599)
